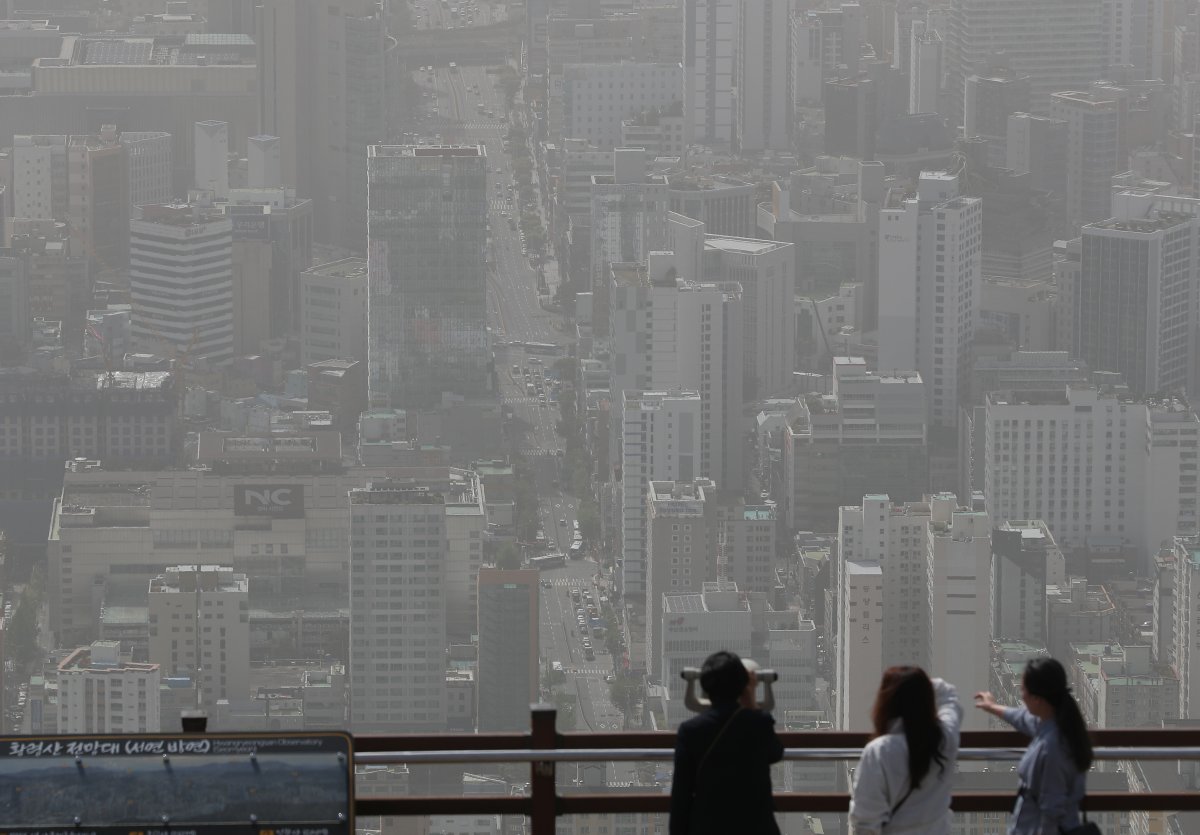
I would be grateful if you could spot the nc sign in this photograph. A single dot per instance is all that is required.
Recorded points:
(282, 501)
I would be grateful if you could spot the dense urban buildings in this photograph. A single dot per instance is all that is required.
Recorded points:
(391, 367)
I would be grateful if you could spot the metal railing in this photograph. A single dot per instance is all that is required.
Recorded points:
(544, 746)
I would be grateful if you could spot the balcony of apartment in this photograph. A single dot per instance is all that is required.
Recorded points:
(544, 748)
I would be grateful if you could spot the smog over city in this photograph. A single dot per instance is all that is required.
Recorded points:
(390, 388)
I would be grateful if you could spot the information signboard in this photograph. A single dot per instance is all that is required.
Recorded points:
(178, 784)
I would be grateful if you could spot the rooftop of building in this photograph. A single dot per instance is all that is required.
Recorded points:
(182, 215)
(343, 268)
(759, 513)
(212, 447)
(743, 246)
(381, 494)
(102, 656)
(152, 51)
(716, 182)
(653, 116)
(426, 151)
(1159, 221)
(190, 578)
(133, 380)
(78, 496)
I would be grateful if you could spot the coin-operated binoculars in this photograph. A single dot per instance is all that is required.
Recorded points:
(698, 704)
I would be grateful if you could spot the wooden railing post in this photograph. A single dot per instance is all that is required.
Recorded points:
(543, 790)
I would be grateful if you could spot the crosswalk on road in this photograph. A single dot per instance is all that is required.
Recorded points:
(586, 671)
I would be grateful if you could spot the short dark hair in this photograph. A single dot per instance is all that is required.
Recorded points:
(723, 677)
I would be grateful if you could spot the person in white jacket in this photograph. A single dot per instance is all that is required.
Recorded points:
(904, 778)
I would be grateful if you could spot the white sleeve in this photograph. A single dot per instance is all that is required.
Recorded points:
(950, 712)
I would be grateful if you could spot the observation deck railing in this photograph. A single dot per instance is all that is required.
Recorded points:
(544, 746)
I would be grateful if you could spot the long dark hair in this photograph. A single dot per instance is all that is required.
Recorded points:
(907, 693)
(1046, 678)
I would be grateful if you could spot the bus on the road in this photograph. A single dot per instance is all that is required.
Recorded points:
(547, 561)
(547, 348)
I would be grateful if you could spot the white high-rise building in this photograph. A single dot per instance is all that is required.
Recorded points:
(859, 641)
(211, 157)
(669, 332)
(181, 281)
(660, 441)
(1185, 618)
(333, 311)
(710, 30)
(398, 550)
(930, 287)
(99, 692)
(934, 559)
(765, 270)
(764, 77)
(39, 176)
(264, 162)
(200, 629)
(722, 615)
(924, 69)
(1092, 463)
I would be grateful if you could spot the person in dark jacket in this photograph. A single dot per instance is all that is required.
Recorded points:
(722, 781)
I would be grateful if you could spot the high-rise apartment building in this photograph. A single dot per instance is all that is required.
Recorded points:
(1185, 615)
(934, 559)
(181, 281)
(764, 95)
(1060, 45)
(99, 692)
(591, 112)
(671, 332)
(659, 441)
(1038, 145)
(1137, 306)
(1123, 686)
(1095, 148)
(309, 51)
(427, 311)
(508, 681)
(397, 609)
(681, 549)
(39, 176)
(930, 289)
(200, 629)
(747, 538)
(710, 29)
(1091, 463)
(264, 162)
(858, 643)
(723, 615)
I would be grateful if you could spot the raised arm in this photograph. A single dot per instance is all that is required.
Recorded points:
(949, 709)
(1020, 718)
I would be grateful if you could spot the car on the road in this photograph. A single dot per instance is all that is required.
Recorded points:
(546, 584)
(562, 522)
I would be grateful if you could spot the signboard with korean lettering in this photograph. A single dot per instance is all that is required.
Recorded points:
(154, 784)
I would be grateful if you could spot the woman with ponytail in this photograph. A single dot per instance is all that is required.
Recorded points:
(1054, 768)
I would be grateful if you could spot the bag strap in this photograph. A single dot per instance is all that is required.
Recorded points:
(896, 808)
(717, 739)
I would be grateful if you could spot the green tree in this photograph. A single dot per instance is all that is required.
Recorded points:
(508, 557)
(589, 519)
